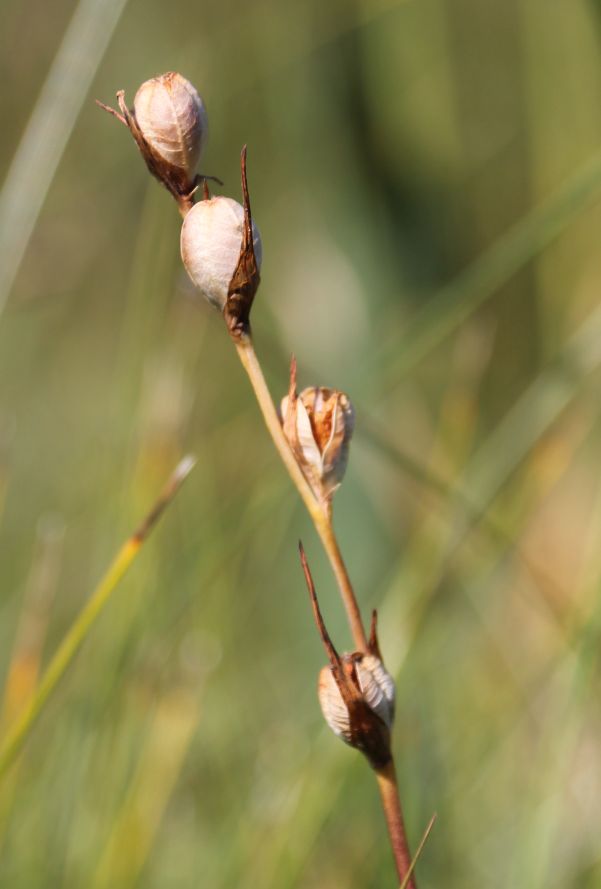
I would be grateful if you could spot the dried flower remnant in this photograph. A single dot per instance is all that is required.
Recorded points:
(355, 691)
(169, 124)
(318, 425)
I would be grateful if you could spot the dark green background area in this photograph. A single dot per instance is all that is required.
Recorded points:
(425, 175)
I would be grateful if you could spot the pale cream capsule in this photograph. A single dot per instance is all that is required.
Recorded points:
(211, 241)
(376, 685)
(172, 119)
(319, 434)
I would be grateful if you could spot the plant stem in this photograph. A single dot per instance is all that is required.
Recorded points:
(326, 533)
(321, 516)
(389, 793)
(80, 629)
(250, 363)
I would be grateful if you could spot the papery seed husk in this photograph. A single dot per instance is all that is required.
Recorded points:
(332, 706)
(172, 118)
(320, 435)
(332, 419)
(211, 241)
(306, 443)
(377, 686)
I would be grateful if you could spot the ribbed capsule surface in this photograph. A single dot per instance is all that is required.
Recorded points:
(319, 424)
(172, 118)
(211, 241)
(377, 687)
(375, 683)
(334, 709)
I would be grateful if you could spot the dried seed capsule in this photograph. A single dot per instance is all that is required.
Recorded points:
(357, 700)
(172, 119)
(376, 687)
(356, 692)
(169, 125)
(211, 243)
(318, 424)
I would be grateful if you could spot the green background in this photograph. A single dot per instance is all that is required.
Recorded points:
(425, 175)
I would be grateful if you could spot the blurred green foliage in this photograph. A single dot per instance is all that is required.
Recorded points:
(425, 174)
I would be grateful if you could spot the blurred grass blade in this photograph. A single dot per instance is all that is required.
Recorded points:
(528, 420)
(86, 619)
(7, 436)
(422, 843)
(47, 133)
(493, 268)
(539, 406)
(26, 658)
(454, 498)
(148, 795)
(36, 606)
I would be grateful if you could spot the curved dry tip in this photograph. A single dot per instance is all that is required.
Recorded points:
(183, 469)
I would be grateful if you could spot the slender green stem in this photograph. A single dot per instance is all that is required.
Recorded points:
(326, 533)
(319, 513)
(322, 520)
(80, 629)
(250, 363)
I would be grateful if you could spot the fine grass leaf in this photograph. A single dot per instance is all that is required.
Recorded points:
(452, 305)
(52, 120)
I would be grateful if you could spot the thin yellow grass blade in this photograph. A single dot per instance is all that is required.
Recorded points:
(148, 795)
(422, 843)
(26, 658)
(80, 629)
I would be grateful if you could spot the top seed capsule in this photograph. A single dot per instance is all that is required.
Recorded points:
(172, 119)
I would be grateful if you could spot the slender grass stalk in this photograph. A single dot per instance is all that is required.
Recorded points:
(422, 843)
(80, 629)
(322, 520)
(26, 658)
(37, 157)
(147, 796)
(521, 243)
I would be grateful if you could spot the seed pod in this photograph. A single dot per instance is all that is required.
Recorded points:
(318, 424)
(211, 244)
(376, 688)
(172, 119)
(169, 125)
(356, 692)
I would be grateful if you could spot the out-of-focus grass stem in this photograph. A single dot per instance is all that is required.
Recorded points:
(80, 629)
(422, 843)
(52, 120)
(28, 648)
